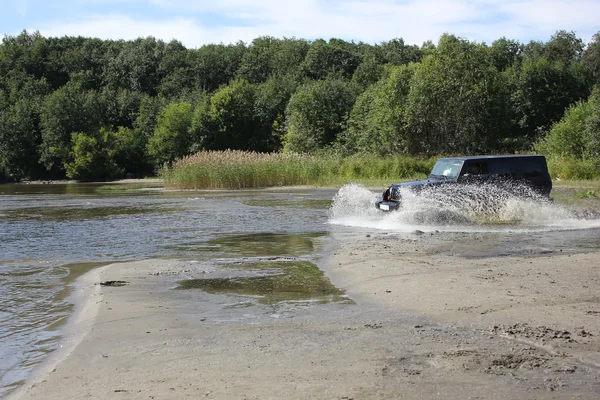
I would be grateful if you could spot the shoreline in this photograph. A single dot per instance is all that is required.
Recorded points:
(427, 324)
(84, 295)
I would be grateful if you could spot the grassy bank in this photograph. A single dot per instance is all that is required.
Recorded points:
(240, 169)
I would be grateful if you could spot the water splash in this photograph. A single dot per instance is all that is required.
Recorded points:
(459, 208)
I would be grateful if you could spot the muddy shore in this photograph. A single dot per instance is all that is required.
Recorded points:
(433, 319)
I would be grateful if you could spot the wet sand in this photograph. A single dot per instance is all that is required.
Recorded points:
(426, 324)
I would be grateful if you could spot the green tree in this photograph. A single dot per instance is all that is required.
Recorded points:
(128, 151)
(367, 73)
(66, 111)
(456, 102)
(90, 157)
(577, 134)
(377, 122)
(119, 107)
(268, 56)
(333, 57)
(564, 47)
(145, 122)
(172, 138)
(20, 135)
(591, 57)
(541, 91)
(397, 52)
(258, 61)
(272, 98)
(215, 65)
(136, 66)
(232, 120)
(505, 52)
(316, 114)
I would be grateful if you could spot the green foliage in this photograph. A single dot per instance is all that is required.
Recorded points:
(456, 102)
(504, 53)
(91, 157)
(19, 129)
(172, 137)
(135, 66)
(215, 65)
(333, 57)
(588, 194)
(398, 53)
(145, 123)
(66, 111)
(541, 90)
(128, 151)
(572, 168)
(577, 135)
(377, 120)
(157, 101)
(272, 98)
(591, 57)
(316, 114)
(564, 47)
(119, 107)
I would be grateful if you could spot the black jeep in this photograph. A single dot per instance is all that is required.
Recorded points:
(508, 171)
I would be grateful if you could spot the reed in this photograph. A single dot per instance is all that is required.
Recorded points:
(233, 169)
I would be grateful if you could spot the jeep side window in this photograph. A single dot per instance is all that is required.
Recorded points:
(532, 169)
(476, 168)
(504, 168)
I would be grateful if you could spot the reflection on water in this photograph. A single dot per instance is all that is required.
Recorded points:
(50, 234)
(61, 213)
(274, 282)
(301, 203)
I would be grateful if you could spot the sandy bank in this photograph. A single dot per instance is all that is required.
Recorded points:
(425, 325)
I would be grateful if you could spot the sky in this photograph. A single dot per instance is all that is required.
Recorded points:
(195, 23)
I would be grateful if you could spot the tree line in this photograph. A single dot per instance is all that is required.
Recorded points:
(87, 108)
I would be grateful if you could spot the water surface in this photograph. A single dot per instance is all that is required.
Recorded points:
(51, 234)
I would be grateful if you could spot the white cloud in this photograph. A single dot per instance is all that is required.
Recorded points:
(360, 20)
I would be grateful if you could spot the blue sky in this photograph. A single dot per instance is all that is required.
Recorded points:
(195, 23)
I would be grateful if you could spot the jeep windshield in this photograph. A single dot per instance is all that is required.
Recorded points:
(446, 169)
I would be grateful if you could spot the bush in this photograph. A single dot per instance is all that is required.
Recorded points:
(572, 168)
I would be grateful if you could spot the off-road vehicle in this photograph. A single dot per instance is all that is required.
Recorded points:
(521, 174)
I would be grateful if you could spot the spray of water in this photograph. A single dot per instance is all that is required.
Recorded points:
(481, 208)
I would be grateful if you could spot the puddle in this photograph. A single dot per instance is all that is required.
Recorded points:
(258, 244)
(275, 282)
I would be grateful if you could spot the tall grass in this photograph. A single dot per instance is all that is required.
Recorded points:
(241, 169)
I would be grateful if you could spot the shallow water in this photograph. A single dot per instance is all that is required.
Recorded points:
(51, 234)
(270, 282)
(266, 244)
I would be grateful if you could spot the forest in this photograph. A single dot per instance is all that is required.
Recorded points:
(92, 109)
